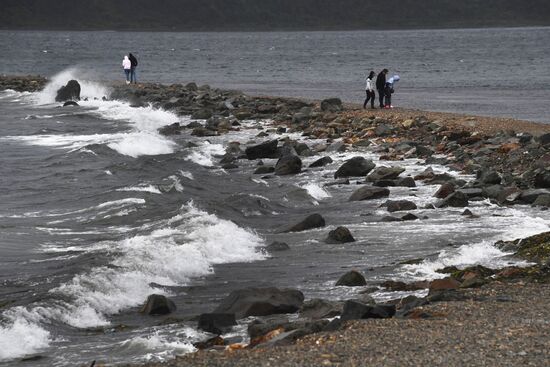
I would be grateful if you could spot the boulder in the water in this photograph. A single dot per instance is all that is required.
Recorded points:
(70, 103)
(157, 304)
(261, 302)
(70, 92)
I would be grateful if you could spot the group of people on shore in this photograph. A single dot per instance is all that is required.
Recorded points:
(129, 64)
(383, 86)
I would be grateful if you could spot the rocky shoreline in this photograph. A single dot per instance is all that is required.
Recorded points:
(511, 162)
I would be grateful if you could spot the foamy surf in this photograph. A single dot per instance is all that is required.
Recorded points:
(186, 246)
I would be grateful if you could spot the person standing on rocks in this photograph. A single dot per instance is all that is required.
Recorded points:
(127, 66)
(133, 74)
(370, 91)
(380, 85)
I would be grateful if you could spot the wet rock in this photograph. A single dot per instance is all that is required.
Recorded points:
(216, 323)
(157, 304)
(409, 216)
(542, 200)
(288, 165)
(312, 221)
(340, 235)
(277, 246)
(352, 279)
(399, 205)
(70, 92)
(354, 310)
(321, 162)
(445, 295)
(264, 150)
(534, 248)
(261, 302)
(529, 196)
(393, 285)
(542, 180)
(336, 147)
(203, 132)
(456, 199)
(354, 167)
(389, 218)
(471, 192)
(385, 173)
(331, 105)
(70, 103)
(209, 343)
(444, 284)
(489, 178)
(173, 129)
(445, 190)
(369, 193)
(319, 309)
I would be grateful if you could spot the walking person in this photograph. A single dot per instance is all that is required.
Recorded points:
(380, 85)
(370, 91)
(127, 66)
(133, 74)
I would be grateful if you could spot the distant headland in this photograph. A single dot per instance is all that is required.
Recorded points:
(269, 15)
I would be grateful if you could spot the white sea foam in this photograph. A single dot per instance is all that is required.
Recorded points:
(316, 191)
(158, 347)
(203, 155)
(189, 245)
(147, 188)
(88, 88)
(186, 174)
(21, 334)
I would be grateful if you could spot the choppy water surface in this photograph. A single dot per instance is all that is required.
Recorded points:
(97, 210)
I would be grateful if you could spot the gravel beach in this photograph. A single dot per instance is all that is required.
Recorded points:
(501, 324)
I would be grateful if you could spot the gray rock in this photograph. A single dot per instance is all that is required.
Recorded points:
(157, 304)
(319, 309)
(352, 279)
(340, 235)
(216, 323)
(385, 173)
(399, 205)
(369, 193)
(261, 302)
(331, 105)
(288, 165)
(277, 246)
(69, 92)
(312, 221)
(354, 310)
(355, 167)
(264, 150)
(456, 199)
(321, 162)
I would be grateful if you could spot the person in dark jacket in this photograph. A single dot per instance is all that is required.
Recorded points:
(380, 85)
(133, 75)
(369, 88)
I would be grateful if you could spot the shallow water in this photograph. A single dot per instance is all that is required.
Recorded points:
(98, 210)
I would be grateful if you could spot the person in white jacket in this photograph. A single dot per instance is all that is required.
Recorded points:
(127, 66)
(370, 91)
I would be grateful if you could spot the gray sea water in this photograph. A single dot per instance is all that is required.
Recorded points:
(495, 72)
(97, 210)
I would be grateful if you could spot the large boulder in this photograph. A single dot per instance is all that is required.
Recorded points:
(267, 149)
(216, 323)
(321, 162)
(288, 165)
(385, 173)
(457, 200)
(356, 166)
(369, 193)
(261, 302)
(352, 279)
(319, 309)
(312, 221)
(399, 205)
(157, 304)
(354, 310)
(340, 235)
(70, 92)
